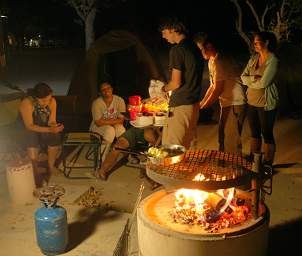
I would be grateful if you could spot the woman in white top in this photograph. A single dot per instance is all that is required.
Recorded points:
(262, 95)
(107, 119)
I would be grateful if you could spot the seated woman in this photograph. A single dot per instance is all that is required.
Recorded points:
(38, 112)
(107, 119)
(130, 139)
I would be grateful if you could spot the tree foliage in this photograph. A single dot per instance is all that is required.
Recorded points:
(281, 17)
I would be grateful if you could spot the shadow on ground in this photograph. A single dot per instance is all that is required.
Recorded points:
(86, 224)
(288, 165)
(285, 239)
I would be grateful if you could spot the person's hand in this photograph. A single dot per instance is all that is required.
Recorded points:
(164, 89)
(120, 119)
(158, 100)
(165, 93)
(56, 127)
(257, 77)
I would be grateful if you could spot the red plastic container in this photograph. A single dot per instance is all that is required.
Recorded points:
(133, 109)
(133, 115)
(135, 100)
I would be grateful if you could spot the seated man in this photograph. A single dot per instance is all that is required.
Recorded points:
(107, 119)
(38, 111)
(129, 140)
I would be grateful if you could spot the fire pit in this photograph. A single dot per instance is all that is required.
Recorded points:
(209, 215)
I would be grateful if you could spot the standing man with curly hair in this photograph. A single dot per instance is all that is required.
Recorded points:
(185, 66)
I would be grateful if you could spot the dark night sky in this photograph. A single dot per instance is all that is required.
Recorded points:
(139, 16)
(142, 16)
(145, 14)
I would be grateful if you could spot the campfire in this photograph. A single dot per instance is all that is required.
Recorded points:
(212, 204)
(211, 211)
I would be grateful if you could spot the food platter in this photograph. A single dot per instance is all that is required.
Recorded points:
(166, 154)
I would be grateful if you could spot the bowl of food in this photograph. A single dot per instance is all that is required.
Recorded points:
(166, 154)
(160, 119)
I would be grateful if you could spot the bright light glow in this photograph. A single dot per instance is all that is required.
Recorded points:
(187, 198)
(199, 177)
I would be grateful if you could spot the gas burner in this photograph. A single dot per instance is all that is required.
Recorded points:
(49, 195)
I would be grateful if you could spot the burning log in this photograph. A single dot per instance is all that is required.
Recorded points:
(212, 211)
(215, 201)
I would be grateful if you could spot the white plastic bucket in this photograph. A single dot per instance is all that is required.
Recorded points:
(20, 181)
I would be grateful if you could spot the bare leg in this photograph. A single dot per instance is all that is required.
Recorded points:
(112, 158)
(52, 156)
(39, 173)
(110, 161)
(105, 147)
(33, 154)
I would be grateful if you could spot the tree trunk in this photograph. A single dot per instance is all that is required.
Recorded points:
(2, 48)
(89, 29)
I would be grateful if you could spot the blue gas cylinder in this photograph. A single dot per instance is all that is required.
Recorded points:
(51, 228)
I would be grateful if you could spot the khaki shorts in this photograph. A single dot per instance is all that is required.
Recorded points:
(181, 125)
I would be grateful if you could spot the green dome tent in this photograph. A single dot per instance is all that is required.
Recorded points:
(119, 56)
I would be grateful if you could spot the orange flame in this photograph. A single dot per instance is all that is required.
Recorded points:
(199, 177)
(193, 206)
(188, 198)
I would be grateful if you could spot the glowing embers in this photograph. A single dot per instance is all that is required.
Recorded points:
(211, 211)
(200, 177)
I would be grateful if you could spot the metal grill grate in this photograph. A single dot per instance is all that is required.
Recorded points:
(215, 169)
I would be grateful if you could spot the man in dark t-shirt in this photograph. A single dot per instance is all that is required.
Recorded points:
(185, 64)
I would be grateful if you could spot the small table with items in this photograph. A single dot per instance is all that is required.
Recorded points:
(148, 112)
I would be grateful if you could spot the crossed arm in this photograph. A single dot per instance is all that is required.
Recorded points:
(112, 121)
(97, 114)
